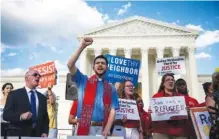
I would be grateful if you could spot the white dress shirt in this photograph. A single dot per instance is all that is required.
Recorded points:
(29, 96)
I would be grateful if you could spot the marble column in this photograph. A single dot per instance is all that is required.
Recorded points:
(97, 52)
(175, 51)
(157, 78)
(128, 53)
(145, 78)
(193, 73)
(113, 51)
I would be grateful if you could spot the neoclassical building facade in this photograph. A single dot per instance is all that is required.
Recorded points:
(145, 40)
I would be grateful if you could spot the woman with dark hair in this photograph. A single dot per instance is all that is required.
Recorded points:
(171, 128)
(207, 86)
(133, 129)
(212, 103)
(6, 90)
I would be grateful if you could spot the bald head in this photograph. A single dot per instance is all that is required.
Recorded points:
(32, 78)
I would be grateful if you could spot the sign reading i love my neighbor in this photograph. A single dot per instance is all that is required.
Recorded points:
(120, 69)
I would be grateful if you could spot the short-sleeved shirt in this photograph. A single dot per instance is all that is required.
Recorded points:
(98, 110)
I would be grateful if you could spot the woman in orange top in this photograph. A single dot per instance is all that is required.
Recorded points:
(171, 128)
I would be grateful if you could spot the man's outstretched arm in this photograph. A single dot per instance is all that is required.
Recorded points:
(71, 63)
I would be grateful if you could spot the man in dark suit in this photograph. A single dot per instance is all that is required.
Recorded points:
(26, 109)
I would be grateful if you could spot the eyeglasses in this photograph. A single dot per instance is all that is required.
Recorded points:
(167, 80)
(36, 74)
(130, 86)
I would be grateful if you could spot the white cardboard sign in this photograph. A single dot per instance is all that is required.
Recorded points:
(167, 108)
(127, 109)
(174, 65)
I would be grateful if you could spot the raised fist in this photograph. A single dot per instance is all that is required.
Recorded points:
(86, 42)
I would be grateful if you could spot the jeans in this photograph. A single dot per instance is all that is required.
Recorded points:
(53, 133)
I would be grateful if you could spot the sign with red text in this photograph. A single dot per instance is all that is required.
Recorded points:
(47, 72)
(201, 121)
(168, 108)
(127, 109)
(174, 65)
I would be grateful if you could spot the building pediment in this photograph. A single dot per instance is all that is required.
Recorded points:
(140, 26)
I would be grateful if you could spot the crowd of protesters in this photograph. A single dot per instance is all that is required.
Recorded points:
(93, 113)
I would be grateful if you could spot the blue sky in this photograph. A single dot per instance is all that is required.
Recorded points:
(38, 31)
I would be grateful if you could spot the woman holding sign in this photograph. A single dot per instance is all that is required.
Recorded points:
(133, 128)
(169, 129)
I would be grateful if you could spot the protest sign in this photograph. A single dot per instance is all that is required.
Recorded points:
(127, 109)
(120, 69)
(201, 121)
(47, 72)
(174, 65)
(168, 108)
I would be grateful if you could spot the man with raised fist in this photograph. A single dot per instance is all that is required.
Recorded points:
(97, 99)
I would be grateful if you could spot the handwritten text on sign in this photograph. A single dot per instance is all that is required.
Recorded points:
(202, 122)
(48, 74)
(166, 108)
(174, 65)
(120, 69)
(127, 109)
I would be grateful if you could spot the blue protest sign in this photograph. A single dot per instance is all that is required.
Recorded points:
(120, 69)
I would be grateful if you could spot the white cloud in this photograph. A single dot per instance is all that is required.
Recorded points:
(2, 49)
(13, 72)
(196, 27)
(124, 8)
(12, 54)
(105, 17)
(203, 55)
(47, 20)
(61, 67)
(176, 22)
(208, 38)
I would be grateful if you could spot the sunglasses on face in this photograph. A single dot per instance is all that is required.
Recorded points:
(36, 74)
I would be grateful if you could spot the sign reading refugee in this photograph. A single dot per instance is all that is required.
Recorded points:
(174, 65)
(127, 109)
(120, 69)
(47, 72)
(201, 121)
(168, 108)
